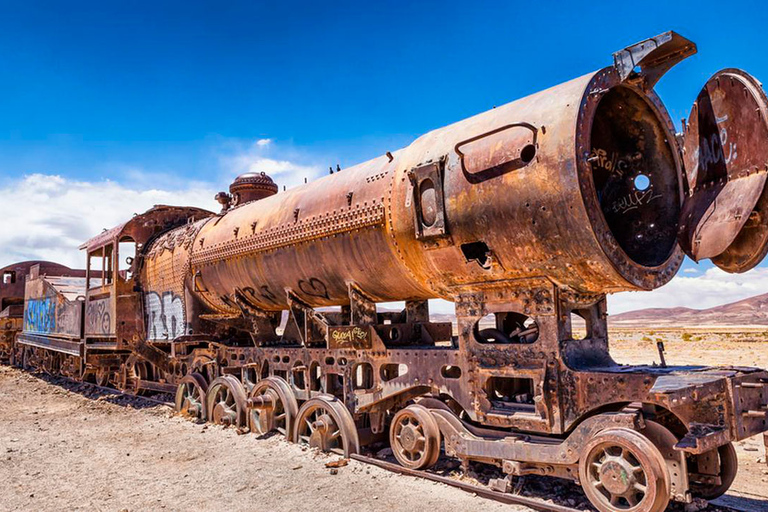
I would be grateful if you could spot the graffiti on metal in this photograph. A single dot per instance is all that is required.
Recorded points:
(40, 315)
(97, 317)
(165, 316)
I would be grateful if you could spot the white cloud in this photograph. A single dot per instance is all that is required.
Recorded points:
(280, 163)
(690, 271)
(713, 288)
(48, 216)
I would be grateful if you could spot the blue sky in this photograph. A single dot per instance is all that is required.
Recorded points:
(164, 94)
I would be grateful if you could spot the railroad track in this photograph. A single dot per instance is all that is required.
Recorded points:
(105, 389)
(485, 492)
(479, 490)
(502, 497)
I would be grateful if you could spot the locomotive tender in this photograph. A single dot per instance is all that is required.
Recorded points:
(525, 217)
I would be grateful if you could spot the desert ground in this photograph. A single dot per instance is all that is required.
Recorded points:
(71, 447)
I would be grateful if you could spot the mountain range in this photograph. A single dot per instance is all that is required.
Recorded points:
(748, 312)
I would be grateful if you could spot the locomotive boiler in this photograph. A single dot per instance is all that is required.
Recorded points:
(264, 315)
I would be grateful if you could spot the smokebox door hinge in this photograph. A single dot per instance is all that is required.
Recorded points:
(429, 201)
(648, 60)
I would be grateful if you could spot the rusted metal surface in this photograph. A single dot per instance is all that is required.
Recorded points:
(13, 279)
(726, 161)
(265, 316)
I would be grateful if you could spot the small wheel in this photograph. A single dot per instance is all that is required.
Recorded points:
(190, 397)
(621, 470)
(712, 473)
(415, 437)
(70, 367)
(47, 363)
(132, 372)
(274, 407)
(103, 376)
(324, 423)
(226, 401)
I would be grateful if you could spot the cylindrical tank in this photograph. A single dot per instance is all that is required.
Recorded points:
(579, 184)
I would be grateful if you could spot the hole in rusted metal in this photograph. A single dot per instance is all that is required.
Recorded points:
(642, 182)
(334, 385)
(450, 372)
(392, 371)
(363, 376)
(506, 327)
(477, 251)
(297, 376)
(528, 153)
(509, 392)
(580, 328)
(315, 375)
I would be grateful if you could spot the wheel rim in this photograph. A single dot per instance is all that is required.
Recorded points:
(325, 424)
(266, 420)
(415, 438)
(224, 406)
(623, 471)
(190, 397)
(320, 430)
(132, 372)
(226, 402)
(617, 474)
(103, 376)
(273, 407)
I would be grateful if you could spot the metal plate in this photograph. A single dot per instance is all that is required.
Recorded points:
(726, 160)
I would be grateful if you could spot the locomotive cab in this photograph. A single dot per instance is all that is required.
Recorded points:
(115, 259)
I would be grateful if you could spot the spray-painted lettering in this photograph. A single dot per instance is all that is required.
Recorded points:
(40, 315)
(165, 316)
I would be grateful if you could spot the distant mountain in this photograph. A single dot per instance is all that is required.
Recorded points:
(752, 311)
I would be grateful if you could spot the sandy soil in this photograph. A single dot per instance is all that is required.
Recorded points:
(65, 447)
(60, 450)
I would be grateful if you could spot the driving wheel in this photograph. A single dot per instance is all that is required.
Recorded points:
(324, 423)
(273, 407)
(190, 397)
(621, 470)
(226, 402)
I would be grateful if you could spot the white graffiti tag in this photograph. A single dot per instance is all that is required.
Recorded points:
(165, 316)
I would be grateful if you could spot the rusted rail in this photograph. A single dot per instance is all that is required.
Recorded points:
(485, 492)
(510, 499)
(113, 391)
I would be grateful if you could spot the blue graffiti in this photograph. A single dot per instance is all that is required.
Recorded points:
(40, 315)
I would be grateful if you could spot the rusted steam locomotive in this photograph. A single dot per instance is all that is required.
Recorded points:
(525, 217)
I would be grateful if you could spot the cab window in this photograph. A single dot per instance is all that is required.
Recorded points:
(9, 277)
(100, 267)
